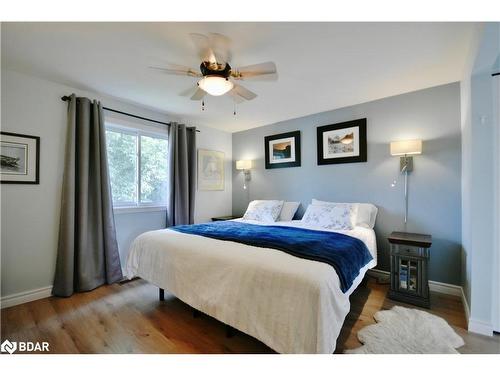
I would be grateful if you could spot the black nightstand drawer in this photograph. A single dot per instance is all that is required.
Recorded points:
(409, 250)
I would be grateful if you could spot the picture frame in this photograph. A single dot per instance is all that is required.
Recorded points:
(210, 170)
(282, 150)
(19, 158)
(343, 142)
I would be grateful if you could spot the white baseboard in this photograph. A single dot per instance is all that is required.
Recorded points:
(450, 289)
(466, 306)
(378, 273)
(27, 296)
(480, 327)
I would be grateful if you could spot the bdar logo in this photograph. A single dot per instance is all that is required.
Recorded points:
(9, 347)
(24, 346)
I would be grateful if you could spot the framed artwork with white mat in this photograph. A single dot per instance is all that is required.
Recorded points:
(210, 170)
(344, 142)
(19, 158)
(282, 150)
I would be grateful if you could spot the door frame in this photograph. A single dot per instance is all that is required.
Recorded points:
(496, 164)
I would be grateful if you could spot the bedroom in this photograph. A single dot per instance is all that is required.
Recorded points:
(250, 187)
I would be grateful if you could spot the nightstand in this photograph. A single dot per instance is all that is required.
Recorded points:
(410, 253)
(224, 218)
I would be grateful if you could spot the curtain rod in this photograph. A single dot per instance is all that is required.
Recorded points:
(66, 98)
(496, 74)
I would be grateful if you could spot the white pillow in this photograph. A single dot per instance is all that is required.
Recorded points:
(263, 210)
(364, 214)
(329, 216)
(367, 215)
(288, 211)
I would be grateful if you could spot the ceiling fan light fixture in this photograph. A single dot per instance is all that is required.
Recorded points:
(215, 85)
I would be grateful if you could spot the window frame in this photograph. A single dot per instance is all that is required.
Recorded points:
(137, 129)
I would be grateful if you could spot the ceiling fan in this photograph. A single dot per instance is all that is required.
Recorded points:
(216, 75)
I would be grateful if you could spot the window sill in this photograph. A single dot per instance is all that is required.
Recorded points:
(138, 209)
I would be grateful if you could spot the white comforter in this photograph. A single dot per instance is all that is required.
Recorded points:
(291, 304)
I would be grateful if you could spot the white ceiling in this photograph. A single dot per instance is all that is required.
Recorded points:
(321, 66)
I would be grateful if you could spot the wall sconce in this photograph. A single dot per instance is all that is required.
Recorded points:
(245, 166)
(403, 149)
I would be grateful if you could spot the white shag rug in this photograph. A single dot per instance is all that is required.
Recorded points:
(407, 331)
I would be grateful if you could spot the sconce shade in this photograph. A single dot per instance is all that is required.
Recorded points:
(412, 147)
(243, 164)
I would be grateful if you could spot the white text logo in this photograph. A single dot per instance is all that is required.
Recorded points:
(24, 346)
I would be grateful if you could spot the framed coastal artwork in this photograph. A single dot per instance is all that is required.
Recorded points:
(282, 150)
(344, 142)
(210, 170)
(19, 158)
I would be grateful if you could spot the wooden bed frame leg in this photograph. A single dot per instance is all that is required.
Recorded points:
(230, 331)
(162, 294)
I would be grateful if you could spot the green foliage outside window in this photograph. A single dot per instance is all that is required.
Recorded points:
(123, 149)
(122, 162)
(153, 169)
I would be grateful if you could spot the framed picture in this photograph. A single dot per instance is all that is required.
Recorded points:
(210, 170)
(19, 159)
(342, 143)
(282, 150)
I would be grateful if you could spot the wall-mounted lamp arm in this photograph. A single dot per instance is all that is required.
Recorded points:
(403, 149)
(245, 166)
(248, 177)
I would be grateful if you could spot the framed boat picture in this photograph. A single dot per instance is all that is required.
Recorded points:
(19, 159)
(282, 150)
(344, 142)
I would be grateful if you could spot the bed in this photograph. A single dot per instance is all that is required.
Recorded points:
(291, 304)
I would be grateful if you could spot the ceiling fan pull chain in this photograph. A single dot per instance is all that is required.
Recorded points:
(234, 111)
(202, 105)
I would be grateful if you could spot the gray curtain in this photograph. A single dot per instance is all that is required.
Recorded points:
(87, 252)
(182, 174)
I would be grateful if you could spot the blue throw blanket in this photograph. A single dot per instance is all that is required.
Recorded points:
(347, 255)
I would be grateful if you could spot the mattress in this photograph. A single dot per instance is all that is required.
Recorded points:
(291, 304)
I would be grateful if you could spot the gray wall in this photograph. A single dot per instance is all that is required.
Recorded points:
(30, 213)
(432, 115)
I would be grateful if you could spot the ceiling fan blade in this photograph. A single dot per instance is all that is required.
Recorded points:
(179, 70)
(265, 72)
(199, 94)
(190, 91)
(203, 47)
(220, 46)
(236, 98)
(243, 92)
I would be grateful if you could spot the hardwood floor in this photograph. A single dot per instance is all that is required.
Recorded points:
(128, 318)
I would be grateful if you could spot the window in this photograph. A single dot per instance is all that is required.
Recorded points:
(137, 162)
